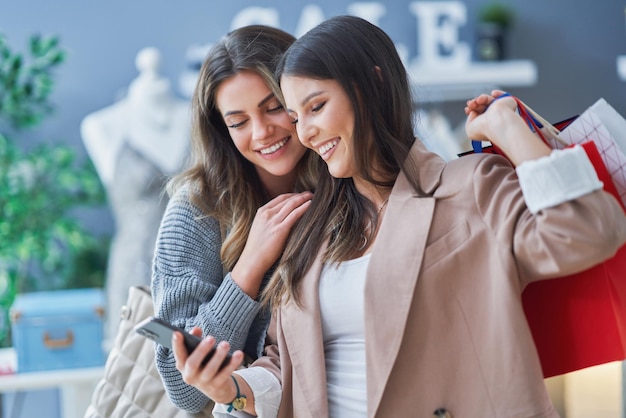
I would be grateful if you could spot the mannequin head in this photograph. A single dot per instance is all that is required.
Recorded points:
(149, 87)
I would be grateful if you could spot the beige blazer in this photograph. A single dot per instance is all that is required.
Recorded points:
(444, 324)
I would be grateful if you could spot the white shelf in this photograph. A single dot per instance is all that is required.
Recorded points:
(76, 385)
(50, 379)
(444, 83)
(621, 67)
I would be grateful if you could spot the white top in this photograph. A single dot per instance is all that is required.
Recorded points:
(341, 290)
(149, 119)
(542, 182)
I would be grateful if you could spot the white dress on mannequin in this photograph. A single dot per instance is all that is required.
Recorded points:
(135, 144)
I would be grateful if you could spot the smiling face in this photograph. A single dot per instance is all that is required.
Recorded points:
(259, 126)
(324, 119)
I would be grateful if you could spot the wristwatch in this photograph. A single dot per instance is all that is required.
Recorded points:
(239, 403)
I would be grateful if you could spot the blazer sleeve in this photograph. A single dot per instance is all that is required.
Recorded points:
(558, 240)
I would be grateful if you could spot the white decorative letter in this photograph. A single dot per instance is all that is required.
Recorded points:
(310, 17)
(438, 35)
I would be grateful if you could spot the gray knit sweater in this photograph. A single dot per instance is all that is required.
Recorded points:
(189, 289)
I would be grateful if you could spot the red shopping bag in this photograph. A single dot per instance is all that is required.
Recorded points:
(577, 321)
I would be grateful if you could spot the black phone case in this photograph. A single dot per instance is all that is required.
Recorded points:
(161, 332)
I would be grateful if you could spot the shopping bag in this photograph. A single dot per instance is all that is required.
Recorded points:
(577, 321)
(610, 140)
(612, 120)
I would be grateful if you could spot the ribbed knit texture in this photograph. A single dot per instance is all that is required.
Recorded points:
(189, 289)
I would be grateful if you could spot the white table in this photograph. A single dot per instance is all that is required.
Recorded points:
(76, 385)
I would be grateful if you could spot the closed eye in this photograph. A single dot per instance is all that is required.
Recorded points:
(275, 109)
(318, 107)
(314, 109)
(237, 125)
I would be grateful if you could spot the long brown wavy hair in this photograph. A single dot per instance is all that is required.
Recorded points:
(223, 183)
(364, 61)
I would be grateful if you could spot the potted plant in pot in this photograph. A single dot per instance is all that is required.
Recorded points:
(494, 21)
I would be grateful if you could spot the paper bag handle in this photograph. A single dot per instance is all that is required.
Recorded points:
(535, 122)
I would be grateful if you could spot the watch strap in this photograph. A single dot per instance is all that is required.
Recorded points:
(239, 403)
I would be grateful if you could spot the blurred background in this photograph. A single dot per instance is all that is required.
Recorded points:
(558, 56)
(574, 46)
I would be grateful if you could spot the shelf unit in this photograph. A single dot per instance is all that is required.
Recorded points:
(454, 83)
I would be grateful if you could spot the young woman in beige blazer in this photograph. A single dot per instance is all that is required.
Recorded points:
(398, 294)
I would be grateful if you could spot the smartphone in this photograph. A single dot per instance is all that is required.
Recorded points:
(161, 332)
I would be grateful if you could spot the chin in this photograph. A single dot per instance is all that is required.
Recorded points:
(283, 170)
(338, 175)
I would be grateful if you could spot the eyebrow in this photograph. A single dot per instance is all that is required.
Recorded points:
(307, 98)
(261, 103)
(310, 96)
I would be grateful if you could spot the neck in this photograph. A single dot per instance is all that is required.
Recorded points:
(277, 185)
(375, 194)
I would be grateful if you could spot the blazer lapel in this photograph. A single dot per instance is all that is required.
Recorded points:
(391, 279)
(390, 283)
(302, 330)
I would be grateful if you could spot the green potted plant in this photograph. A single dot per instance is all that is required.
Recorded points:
(494, 21)
(41, 238)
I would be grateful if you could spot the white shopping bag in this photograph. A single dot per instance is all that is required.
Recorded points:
(612, 121)
(603, 125)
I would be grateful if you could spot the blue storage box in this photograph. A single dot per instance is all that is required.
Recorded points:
(59, 329)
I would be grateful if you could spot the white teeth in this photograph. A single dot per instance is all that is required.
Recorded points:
(274, 148)
(327, 147)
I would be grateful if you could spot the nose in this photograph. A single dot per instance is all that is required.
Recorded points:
(261, 129)
(305, 131)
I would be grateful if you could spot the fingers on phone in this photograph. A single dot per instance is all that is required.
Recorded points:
(178, 347)
(228, 363)
(237, 359)
(220, 358)
(196, 331)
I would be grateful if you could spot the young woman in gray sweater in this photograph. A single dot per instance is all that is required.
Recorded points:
(230, 212)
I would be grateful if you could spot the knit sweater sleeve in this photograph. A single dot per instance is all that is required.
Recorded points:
(189, 289)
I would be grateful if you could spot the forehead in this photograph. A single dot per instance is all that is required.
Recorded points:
(242, 91)
(298, 91)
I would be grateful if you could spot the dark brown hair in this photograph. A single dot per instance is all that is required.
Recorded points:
(364, 61)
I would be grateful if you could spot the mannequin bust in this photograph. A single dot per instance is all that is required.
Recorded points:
(135, 144)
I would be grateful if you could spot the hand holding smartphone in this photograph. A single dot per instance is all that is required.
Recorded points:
(161, 332)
